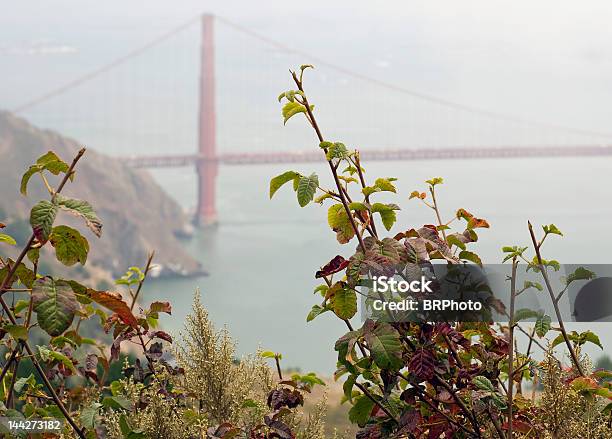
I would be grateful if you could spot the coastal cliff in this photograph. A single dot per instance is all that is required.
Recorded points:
(138, 216)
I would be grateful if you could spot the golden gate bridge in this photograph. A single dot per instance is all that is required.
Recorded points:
(207, 158)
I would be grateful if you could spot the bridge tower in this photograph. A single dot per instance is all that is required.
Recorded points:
(207, 167)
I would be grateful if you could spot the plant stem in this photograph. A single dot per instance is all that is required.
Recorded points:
(8, 363)
(315, 125)
(147, 268)
(536, 246)
(511, 343)
(278, 368)
(436, 210)
(363, 185)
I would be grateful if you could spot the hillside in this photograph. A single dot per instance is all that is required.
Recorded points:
(138, 215)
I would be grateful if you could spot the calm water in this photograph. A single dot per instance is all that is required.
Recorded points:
(263, 254)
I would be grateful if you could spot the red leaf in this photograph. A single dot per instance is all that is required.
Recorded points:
(335, 265)
(422, 364)
(161, 307)
(115, 303)
(161, 334)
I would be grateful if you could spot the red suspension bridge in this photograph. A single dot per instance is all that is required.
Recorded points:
(207, 158)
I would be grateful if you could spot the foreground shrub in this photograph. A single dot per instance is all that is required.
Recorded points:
(205, 392)
(424, 379)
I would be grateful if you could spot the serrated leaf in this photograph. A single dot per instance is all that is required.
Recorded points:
(470, 256)
(542, 325)
(23, 188)
(70, 246)
(47, 354)
(385, 345)
(42, 217)
(88, 415)
(82, 209)
(115, 303)
(552, 229)
(483, 383)
(357, 205)
(387, 213)
(336, 151)
(290, 109)
(384, 184)
(525, 313)
(7, 239)
(434, 181)
(306, 189)
(340, 223)
(360, 412)
(18, 332)
(55, 305)
(580, 273)
(277, 182)
(344, 303)
(316, 311)
(369, 190)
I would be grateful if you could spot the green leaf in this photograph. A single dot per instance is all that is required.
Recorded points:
(525, 313)
(581, 273)
(127, 431)
(277, 182)
(552, 229)
(542, 325)
(336, 151)
(70, 246)
(340, 223)
(26, 178)
(306, 189)
(483, 383)
(50, 162)
(590, 337)
(384, 184)
(33, 255)
(387, 213)
(117, 402)
(357, 205)
(557, 341)
(88, 415)
(82, 209)
(42, 217)
(434, 181)
(454, 240)
(529, 284)
(369, 190)
(267, 354)
(316, 311)
(18, 332)
(360, 412)
(470, 256)
(290, 109)
(47, 354)
(344, 303)
(55, 305)
(385, 345)
(8, 239)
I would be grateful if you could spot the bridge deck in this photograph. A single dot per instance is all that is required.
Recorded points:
(262, 158)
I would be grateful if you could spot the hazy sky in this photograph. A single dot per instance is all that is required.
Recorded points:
(548, 59)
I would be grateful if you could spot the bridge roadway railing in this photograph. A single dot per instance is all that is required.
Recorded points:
(372, 155)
